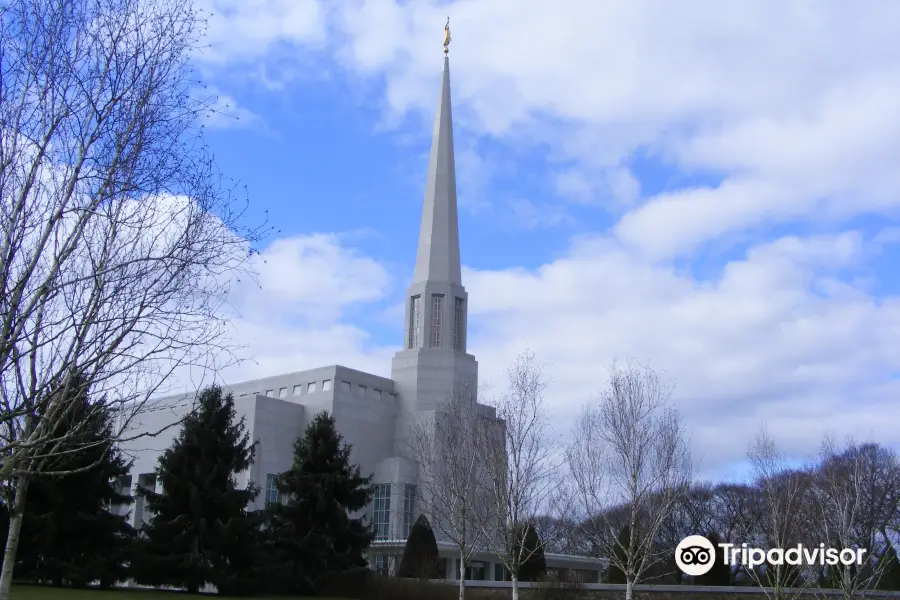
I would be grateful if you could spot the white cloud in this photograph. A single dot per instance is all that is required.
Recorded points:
(765, 340)
(225, 113)
(247, 30)
(296, 315)
(792, 105)
(615, 188)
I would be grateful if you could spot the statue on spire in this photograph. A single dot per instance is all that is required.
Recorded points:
(447, 36)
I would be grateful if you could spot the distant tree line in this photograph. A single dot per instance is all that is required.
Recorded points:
(848, 498)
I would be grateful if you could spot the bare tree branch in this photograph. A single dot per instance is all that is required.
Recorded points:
(450, 485)
(629, 452)
(521, 465)
(784, 492)
(844, 515)
(118, 237)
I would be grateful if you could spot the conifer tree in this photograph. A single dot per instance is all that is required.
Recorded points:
(313, 537)
(615, 573)
(534, 567)
(720, 573)
(890, 572)
(73, 529)
(420, 556)
(200, 530)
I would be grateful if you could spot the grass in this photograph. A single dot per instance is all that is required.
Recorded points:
(35, 592)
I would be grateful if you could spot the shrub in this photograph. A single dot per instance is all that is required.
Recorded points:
(534, 567)
(890, 575)
(420, 557)
(615, 574)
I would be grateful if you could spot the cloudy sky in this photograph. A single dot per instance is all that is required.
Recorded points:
(712, 188)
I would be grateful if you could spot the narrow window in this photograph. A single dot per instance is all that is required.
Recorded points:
(361, 390)
(376, 394)
(326, 385)
(273, 496)
(457, 323)
(282, 392)
(382, 510)
(298, 389)
(437, 304)
(415, 320)
(345, 386)
(409, 497)
(311, 388)
(270, 393)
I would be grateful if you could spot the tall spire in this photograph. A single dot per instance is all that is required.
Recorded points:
(437, 258)
(433, 364)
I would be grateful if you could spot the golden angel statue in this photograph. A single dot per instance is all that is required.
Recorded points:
(447, 36)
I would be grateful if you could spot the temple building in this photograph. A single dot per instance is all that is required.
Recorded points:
(373, 413)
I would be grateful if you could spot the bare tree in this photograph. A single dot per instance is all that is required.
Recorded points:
(118, 238)
(879, 481)
(562, 535)
(784, 494)
(629, 451)
(738, 514)
(693, 514)
(841, 516)
(450, 488)
(521, 465)
(737, 511)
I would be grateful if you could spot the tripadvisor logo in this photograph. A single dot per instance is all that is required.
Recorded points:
(695, 555)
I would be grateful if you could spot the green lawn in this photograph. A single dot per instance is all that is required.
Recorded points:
(33, 592)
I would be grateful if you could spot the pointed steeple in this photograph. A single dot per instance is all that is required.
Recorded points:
(434, 364)
(437, 259)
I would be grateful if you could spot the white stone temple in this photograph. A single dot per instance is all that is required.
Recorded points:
(373, 413)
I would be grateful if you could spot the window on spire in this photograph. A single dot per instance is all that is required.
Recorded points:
(437, 305)
(415, 320)
(458, 324)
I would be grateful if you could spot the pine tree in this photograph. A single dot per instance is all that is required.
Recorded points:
(720, 573)
(312, 534)
(71, 532)
(615, 573)
(534, 565)
(890, 574)
(200, 531)
(420, 556)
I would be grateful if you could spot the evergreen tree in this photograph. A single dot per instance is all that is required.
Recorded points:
(534, 567)
(72, 533)
(720, 574)
(200, 531)
(312, 534)
(420, 556)
(615, 574)
(890, 574)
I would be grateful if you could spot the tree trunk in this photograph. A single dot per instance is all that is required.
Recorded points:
(462, 578)
(629, 588)
(12, 541)
(515, 585)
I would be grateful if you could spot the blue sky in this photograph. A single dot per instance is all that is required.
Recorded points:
(712, 190)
